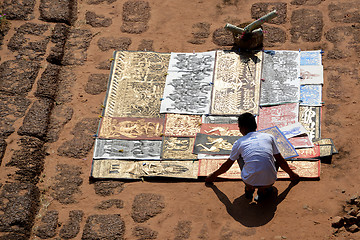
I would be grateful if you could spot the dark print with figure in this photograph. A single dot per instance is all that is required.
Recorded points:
(212, 144)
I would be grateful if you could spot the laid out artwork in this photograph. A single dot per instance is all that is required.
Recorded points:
(181, 125)
(279, 115)
(131, 128)
(189, 83)
(286, 149)
(236, 83)
(175, 114)
(220, 129)
(127, 149)
(136, 84)
(280, 74)
(305, 169)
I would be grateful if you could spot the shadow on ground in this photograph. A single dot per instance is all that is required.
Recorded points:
(249, 213)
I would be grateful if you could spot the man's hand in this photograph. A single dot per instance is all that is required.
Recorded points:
(211, 178)
(223, 168)
(294, 177)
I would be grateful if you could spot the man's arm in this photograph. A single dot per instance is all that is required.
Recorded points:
(224, 167)
(285, 166)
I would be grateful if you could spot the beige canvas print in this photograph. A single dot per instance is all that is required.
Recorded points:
(175, 169)
(178, 148)
(236, 83)
(136, 85)
(109, 168)
(181, 125)
(125, 169)
(131, 128)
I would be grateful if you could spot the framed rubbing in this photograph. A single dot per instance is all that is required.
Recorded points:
(174, 169)
(178, 148)
(189, 83)
(305, 169)
(136, 84)
(236, 83)
(181, 125)
(286, 149)
(279, 115)
(220, 129)
(310, 118)
(280, 74)
(127, 149)
(311, 95)
(211, 144)
(131, 128)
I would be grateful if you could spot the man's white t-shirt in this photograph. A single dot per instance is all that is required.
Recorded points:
(257, 150)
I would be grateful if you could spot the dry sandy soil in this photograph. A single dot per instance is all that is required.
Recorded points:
(54, 67)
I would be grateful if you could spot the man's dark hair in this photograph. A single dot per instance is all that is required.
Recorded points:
(248, 121)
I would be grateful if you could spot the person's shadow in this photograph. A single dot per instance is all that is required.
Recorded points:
(251, 214)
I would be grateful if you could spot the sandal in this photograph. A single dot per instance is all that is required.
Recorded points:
(262, 195)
